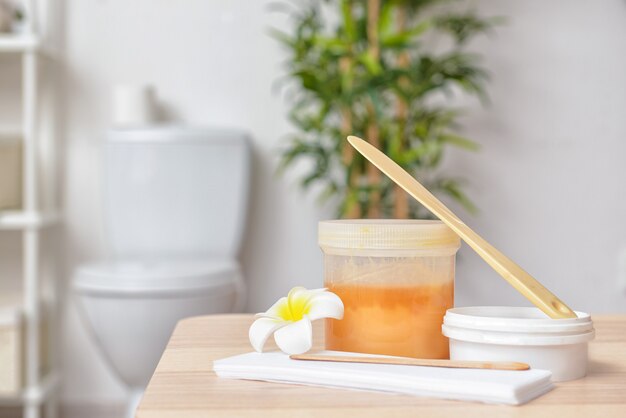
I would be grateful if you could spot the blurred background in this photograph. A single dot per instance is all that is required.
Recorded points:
(544, 168)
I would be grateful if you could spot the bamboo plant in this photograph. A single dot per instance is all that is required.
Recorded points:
(373, 72)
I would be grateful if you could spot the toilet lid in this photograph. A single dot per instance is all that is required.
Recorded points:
(157, 276)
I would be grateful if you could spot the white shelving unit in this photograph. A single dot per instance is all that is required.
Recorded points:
(34, 218)
(19, 42)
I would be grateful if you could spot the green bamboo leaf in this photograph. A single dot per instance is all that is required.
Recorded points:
(459, 141)
(465, 26)
(371, 63)
(385, 21)
(394, 146)
(404, 38)
(281, 37)
(306, 182)
(328, 192)
(289, 156)
(335, 46)
(307, 78)
(434, 152)
(350, 201)
(452, 188)
(348, 21)
(414, 154)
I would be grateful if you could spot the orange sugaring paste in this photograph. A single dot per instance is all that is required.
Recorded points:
(400, 320)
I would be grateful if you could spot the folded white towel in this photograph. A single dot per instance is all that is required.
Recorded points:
(490, 386)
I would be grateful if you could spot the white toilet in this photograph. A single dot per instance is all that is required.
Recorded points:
(175, 206)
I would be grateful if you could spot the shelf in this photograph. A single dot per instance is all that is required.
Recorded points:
(18, 43)
(22, 220)
(33, 395)
(37, 55)
(10, 132)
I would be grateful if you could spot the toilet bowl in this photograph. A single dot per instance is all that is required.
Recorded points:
(123, 301)
(174, 212)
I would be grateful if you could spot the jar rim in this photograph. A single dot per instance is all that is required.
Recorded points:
(386, 234)
(515, 319)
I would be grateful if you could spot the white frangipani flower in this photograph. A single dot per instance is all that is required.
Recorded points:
(290, 318)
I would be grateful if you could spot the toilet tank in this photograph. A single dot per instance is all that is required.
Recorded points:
(175, 192)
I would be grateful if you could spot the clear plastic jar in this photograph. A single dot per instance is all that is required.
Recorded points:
(396, 281)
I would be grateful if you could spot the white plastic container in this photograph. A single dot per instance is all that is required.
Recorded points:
(500, 333)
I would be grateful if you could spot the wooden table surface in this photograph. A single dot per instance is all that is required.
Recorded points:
(185, 386)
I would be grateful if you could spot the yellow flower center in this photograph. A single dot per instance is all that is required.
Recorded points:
(294, 308)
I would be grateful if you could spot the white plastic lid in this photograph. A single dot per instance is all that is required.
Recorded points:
(165, 276)
(386, 234)
(515, 326)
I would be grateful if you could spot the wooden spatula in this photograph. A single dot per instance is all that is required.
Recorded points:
(523, 282)
(406, 361)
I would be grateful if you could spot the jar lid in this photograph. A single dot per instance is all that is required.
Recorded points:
(515, 319)
(508, 325)
(386, 234)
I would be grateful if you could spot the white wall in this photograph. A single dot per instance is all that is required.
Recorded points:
(549, 179)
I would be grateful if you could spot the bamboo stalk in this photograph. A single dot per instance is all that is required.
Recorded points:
(400, 197)
(346, 64)
(373, 14)
(353, 210)
(373, 133)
